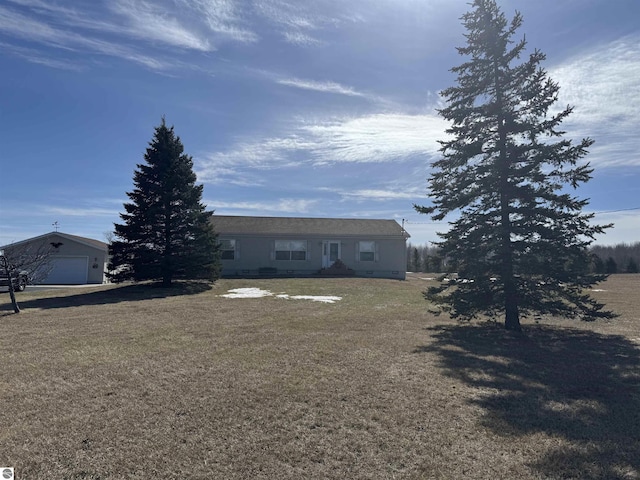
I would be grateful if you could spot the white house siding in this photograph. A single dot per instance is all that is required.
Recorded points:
(254, 256)
(256, 237)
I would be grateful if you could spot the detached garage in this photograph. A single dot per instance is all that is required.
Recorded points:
(68, 271)
(73, 260)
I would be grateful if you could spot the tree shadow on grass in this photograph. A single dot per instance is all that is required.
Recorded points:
(579, 387)
(125, 293)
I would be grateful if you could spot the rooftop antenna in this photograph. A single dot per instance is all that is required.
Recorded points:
(56, 225)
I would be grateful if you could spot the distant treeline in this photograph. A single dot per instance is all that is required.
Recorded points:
(621, 258)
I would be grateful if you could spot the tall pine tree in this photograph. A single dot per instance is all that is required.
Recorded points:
(166, 234)
(520, 234)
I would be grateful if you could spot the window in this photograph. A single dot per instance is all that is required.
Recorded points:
(228, 249)
(367, 251)
(291, 250)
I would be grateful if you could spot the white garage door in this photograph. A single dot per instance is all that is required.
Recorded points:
(68, 271)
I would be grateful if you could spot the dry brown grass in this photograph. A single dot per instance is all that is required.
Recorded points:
(137, 382)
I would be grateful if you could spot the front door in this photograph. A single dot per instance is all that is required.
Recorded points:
(330, 252)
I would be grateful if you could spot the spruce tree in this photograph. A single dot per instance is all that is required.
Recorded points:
(166, 234)
(519, 236)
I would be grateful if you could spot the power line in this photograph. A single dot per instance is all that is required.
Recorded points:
(595, 213)
(424, 223)
(620, 210)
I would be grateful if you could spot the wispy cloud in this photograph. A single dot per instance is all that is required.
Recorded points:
(149, 21)
(603, 86)
(375, 194)
(134, 30)
(79, 212)
(48, 7)
(35, 56)
(225, 18)
(19, 25)
(283, 205)
(244, 164)
(34, 30)
(375, 138)
(296, 21)
(301, 39)
(326, 87)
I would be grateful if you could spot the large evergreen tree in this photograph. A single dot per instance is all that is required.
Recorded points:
(166, 234)
(520, 235)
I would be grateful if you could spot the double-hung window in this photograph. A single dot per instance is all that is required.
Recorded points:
(291, 250)
(228, 249)
(366, 251)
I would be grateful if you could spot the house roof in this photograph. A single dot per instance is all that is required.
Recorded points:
(238, 225)
(84, 240)
(88, 241)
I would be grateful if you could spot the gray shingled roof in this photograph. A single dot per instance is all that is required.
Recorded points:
(228, 225)
(89, 241)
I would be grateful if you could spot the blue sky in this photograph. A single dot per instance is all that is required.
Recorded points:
(288, 107)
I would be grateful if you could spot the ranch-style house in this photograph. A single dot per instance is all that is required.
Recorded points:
(288, 246)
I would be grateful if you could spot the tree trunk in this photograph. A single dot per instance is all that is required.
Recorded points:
(12, 293)
(512, 314)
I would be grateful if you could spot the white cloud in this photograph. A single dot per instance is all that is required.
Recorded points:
(243, 164)
(296, 21)
(66, 206)
(148, 21)
(223, 17)
(78, 212)
(283, 205)
(327, 87)
(603, 86)
(376, 138)
(300, 39)
(35, 30)
(43, 6)
(183, 25)
(375, 194)
(14, 23)
(34, 56)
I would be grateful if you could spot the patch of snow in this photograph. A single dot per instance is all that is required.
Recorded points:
(314, 298)
(247, 293)
(598, 290)
(259, 293)
(427, 278)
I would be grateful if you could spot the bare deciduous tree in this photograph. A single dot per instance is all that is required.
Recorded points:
(25, 260)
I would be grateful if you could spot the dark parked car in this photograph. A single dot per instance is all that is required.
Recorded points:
(20, 281)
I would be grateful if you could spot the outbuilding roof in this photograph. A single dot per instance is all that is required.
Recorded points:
(84, 240)
(240, 225)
